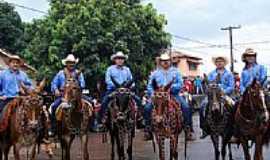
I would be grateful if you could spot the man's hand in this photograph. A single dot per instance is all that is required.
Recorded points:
(57, 93)
(3, 97)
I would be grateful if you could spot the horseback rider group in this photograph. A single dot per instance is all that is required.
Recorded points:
(12, 80)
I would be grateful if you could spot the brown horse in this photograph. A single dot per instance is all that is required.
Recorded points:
(21, 123)
(121, 119)
(73, 118)
(167, 120)
(251, 119)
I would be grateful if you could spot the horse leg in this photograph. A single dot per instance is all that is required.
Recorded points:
(161, 148)
(173, 147)
(1, 154)
(33, 152)
(113, 144)
(6, 152)
(130, 144)
(120, 146)
(215, 141)
(230, 151)
(258, 148)
(244, 144)
(84, 143)
(16, 150)
(225, 142)
(65, 147)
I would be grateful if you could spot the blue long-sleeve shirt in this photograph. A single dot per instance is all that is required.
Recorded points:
(119, 74)
(163, 78)
(60, 79)
(226, 82)
(257, 72)
(10, 82)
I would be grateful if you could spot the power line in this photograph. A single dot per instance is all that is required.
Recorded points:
(191, 40)
(28, 8)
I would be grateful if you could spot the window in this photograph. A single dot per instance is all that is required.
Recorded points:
(192, 66)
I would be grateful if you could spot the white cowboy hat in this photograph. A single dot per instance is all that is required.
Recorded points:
(16, 57)
(70, 58)
(214, 59)
(248, 52)
(165, 57)
(119, 54)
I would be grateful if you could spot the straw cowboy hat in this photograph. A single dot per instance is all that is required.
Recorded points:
(164, 57)
(70, 58)
(15, 57)
(119, 54)
(214, 59)
(248, 52)
(175, 55)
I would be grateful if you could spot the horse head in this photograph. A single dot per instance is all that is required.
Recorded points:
(254, 101)
(214, 94)
(72, 89)
(161, 99)
(32, 106)
(121, 98)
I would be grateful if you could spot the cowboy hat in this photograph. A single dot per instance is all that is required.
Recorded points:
(15, 57)
(175, 54)
(214, 59)
(164, 57)
(119, 54)
(70, 58)
(248, 52)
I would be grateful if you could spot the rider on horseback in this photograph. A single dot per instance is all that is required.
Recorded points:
(252, 70)
(121, 74)
(225, 81)
(58, 83)
(163, 76)
(13, 81)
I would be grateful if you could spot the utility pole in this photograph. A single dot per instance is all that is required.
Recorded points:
(230, 29)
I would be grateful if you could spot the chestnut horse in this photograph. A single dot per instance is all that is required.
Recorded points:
(167, 120)
(251, 119)
(73, 118)
(20, 126)
(121, 119)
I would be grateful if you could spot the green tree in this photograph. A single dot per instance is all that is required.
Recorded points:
(93, 30)
(11, 28)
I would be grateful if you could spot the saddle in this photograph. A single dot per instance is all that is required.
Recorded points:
(7, 112)
(59, 110)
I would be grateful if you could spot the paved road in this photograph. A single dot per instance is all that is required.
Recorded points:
(197, 150)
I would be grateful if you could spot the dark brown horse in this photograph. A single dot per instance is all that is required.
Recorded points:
(167, 120)
(73, 118)
(219, 121)
(251, 119)
(121, 119)
(21, 123)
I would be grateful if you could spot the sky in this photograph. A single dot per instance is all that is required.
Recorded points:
(202, 20)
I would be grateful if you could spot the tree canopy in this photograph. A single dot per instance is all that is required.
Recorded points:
(11, 28)
(93, 30)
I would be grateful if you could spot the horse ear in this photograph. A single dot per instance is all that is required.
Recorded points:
(128, 84)
(168, 86)
(41, 86)
(254, 82)
(117, 85)
(154, 84)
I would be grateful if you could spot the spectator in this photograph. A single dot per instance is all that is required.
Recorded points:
(198, 85)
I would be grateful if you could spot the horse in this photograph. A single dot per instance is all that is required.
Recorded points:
(73, 117)
(21, 123)
(219, 120)
(251, 119)
(167, 119)
(120, 119)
